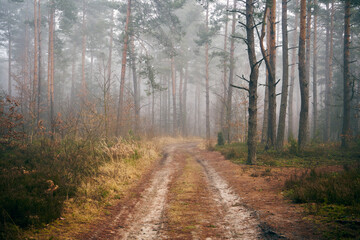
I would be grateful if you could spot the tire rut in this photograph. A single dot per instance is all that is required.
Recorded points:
(238, 221)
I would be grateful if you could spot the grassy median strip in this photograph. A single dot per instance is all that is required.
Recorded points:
(190, 211)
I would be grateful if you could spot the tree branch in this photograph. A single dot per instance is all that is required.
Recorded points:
(242, 88)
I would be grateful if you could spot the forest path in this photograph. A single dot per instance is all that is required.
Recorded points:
(183, 198)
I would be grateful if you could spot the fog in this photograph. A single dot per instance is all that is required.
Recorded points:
(107, 72)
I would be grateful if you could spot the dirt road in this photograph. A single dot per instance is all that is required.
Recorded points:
(184, 197)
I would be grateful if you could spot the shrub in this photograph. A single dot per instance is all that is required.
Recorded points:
(37, 178)
(341, 188)
(220, 139)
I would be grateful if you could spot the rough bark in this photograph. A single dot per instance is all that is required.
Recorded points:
(231, 77)
(271, 138)
(285, 79)
(346, 131)
(123, 71)
(252, 130)
(315, 114)
(304, 88)
(292, 77)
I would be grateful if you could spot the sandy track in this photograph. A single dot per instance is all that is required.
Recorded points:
(238, 222)
(145, 219)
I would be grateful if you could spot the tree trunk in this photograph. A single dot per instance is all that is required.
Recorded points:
(327, 79)
(51, 69)
(181, 101)
(331, 55)
(207, 76)
(328, 70)
(39, 65)
(83, 80)
(252, 130)
(168, 106)
(107, 83)
(346, 131)
(123, 71)
(73, 61)
(184, 100)
(271, 138)
(293, 64)
(308, 50)
(304, 86)
(231, 77)
(136, 88)
(173, 80)
(35, 80)
(285, 84)
(315, 114)
(9, 59)
(225, 86)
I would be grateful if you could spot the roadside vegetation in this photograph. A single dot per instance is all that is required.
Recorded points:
(326, 182)
(52, 188)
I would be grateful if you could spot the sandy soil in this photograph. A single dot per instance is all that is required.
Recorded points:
(197, 194)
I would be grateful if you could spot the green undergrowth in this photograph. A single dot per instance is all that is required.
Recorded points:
(330, 195)
(330, 198)
(313, 155)
(42, 181)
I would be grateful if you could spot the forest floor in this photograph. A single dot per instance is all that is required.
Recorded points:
(193, 193)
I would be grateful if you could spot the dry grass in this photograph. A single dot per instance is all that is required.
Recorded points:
(129, 160)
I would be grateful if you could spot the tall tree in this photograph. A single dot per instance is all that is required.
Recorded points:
(51, 67)
(346, 131)
(231, 75)
(315, 114)
(292, 76)
(254, 66)
(271, 68)
(271, 138)
(83, 53)
(123, 70)
(35, 80)
(173, 81)
(225, 67)
(39, 64)
(308, 49)
(207, 88)
(285, 87)
(304, 87)
(328, 68)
